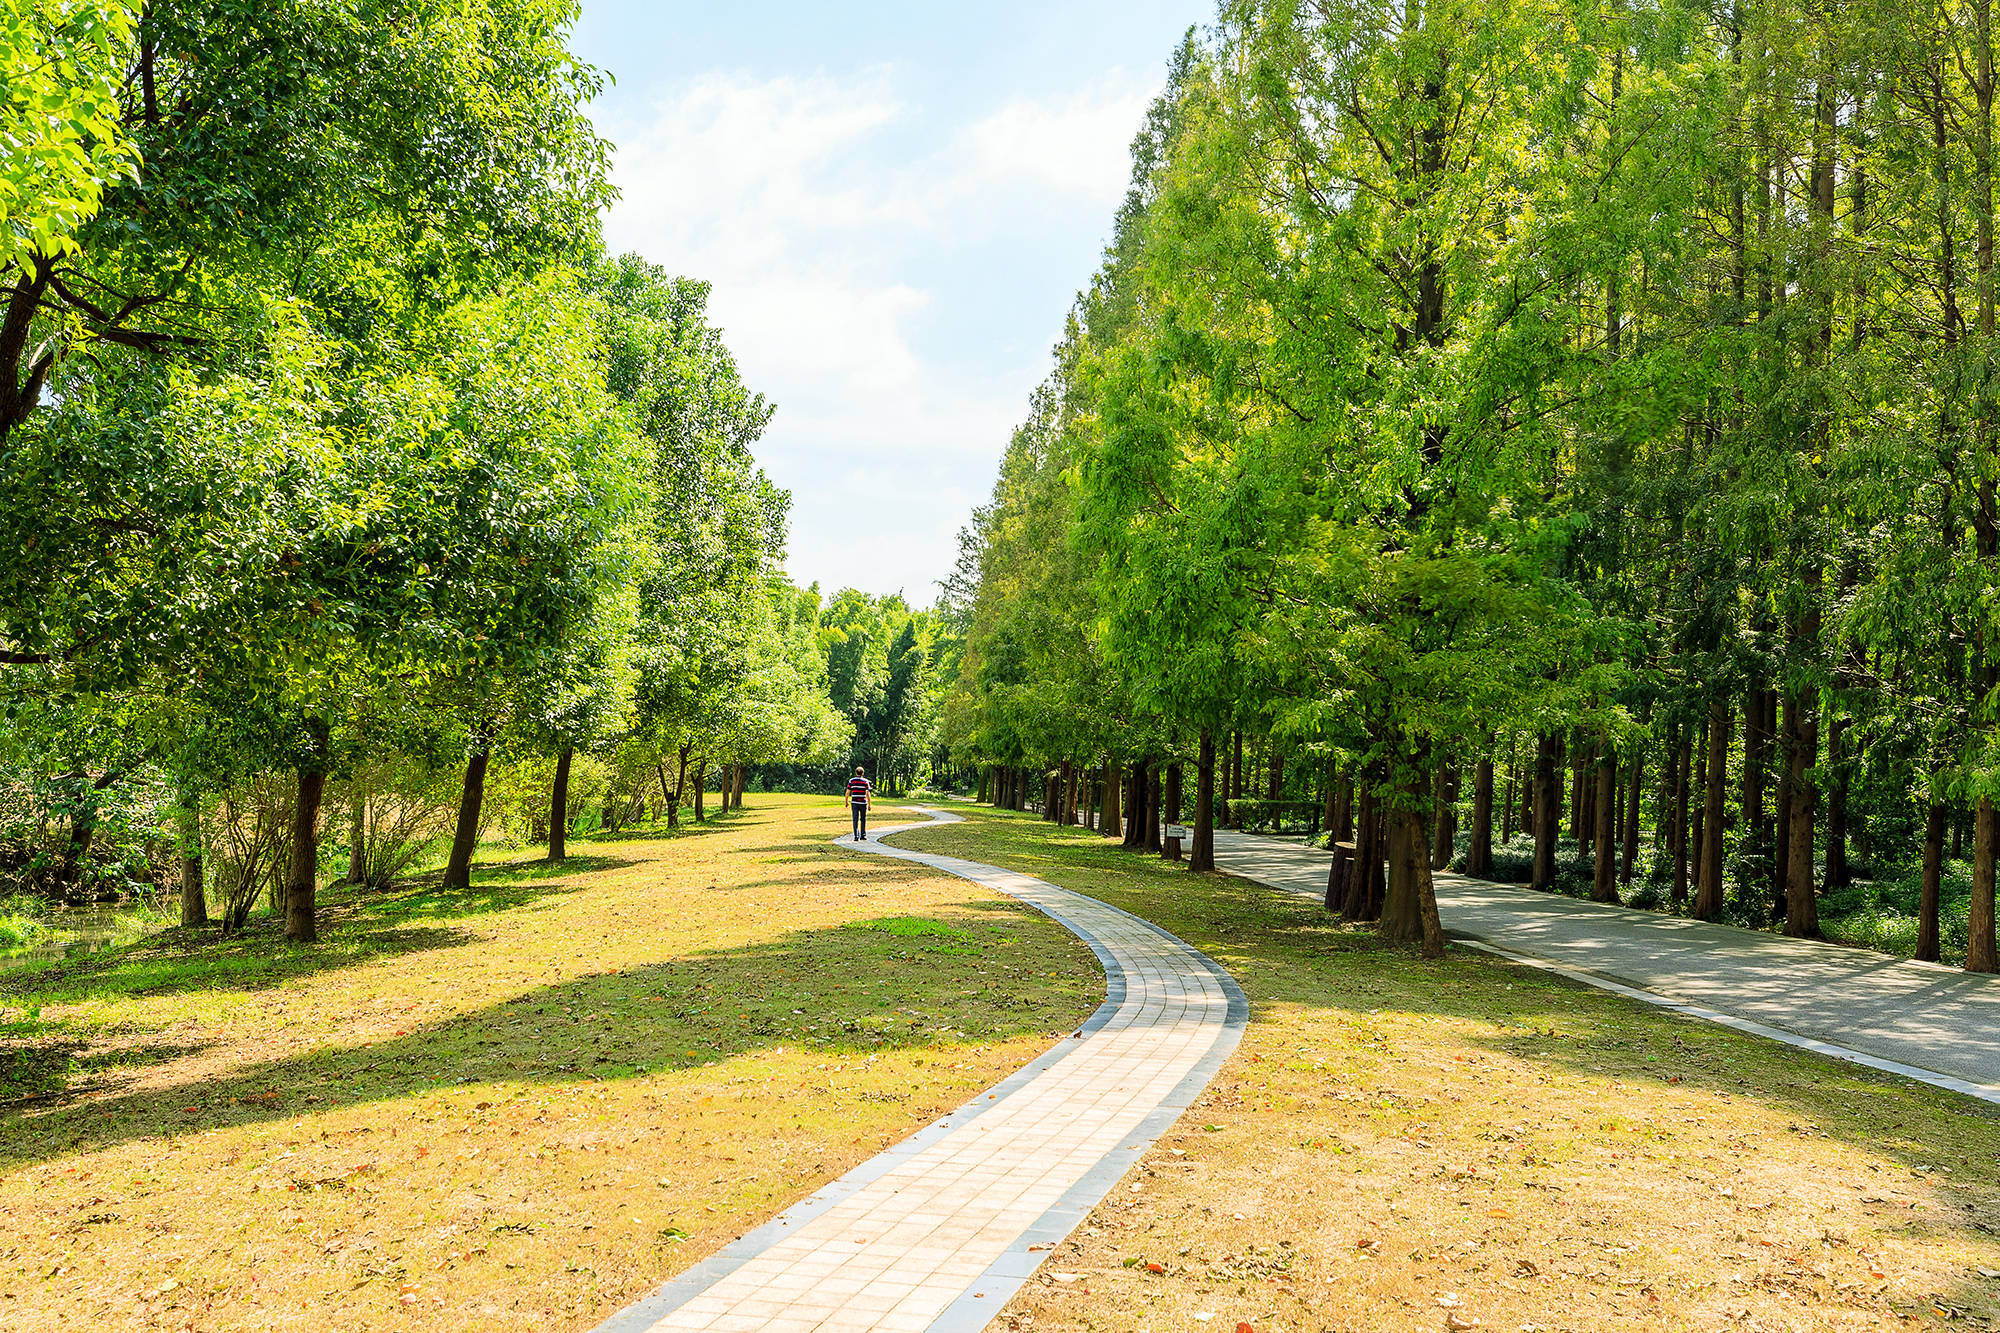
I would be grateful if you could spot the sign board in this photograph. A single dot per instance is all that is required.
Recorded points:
(1179, 831)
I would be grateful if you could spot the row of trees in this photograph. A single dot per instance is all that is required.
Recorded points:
(1607, 389)
(335, 457)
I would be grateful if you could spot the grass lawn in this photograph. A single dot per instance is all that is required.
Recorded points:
(521, 1106)
(1401, 1144)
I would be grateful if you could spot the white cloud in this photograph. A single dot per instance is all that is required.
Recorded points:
(826, 211)
(1078, 145)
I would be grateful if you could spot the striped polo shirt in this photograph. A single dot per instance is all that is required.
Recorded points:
(857, 790)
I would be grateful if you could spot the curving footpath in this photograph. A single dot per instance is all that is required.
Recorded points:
(940, 1231)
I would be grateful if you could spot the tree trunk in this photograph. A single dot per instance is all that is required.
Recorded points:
(1579, 827)
(1236, 786)
(1632, 793)
(1781, 837)
(1339, 873)
(1409, 909)
(1154, 795)
(1135, 817)
(1604, 881)
(1529, 793)
(1201, 856)
(1697, 798)
(1479, 855)
(559, 807)
(1444, 816)
(301, 907)
(1683, 766)
(357, 835)
(187, 832)
(1545, 812)
(1801, 888)
(1708, 891)
(1366, 886)
(701, 790)
(1343, 808)
(1927, 905)
(743, 781)
(458, 870)
(82, 833)
(1111, 824)
(1981, 953)
(1756, 756)
(1837, 874)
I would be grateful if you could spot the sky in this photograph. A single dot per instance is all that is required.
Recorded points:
(896, 204)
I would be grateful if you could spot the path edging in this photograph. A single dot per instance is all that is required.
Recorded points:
(987, 1294)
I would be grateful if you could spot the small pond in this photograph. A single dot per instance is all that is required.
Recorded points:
(80, 930)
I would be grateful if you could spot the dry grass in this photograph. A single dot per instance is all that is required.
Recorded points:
(523, 1106)
(1468, 1144)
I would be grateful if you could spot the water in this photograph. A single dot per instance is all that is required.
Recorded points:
(83, 930)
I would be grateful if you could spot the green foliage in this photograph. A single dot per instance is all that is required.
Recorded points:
(61, 63)
(331, 448)
(1471, 372)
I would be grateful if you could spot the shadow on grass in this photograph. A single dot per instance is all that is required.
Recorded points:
(1284, 950)
(358, 925)
(893, 983)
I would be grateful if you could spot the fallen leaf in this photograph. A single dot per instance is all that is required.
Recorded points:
(1156, 1268)
(1499, 1212)
(1042, 1245)
(1454, 1320)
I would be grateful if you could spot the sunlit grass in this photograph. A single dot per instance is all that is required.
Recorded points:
(521, 1105)
(1401, 1143)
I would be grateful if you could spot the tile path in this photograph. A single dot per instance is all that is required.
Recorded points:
(940, 1231)
(1938, 1025)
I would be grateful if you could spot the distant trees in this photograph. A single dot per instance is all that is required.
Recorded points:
(340, 474)
(886, 666)
(1608, 414)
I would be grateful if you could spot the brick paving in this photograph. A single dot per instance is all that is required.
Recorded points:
(938, 1232)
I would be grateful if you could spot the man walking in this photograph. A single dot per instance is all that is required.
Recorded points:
(860, 795)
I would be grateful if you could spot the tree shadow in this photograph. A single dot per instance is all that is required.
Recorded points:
(358, 925)
(42, 1073)
(861, 987)
(1286, 952)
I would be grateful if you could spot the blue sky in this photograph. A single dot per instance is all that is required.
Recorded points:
(896, 204)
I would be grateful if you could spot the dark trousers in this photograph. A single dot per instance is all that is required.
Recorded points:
(860, 822)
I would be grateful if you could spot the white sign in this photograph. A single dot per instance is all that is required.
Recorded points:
(1178, 831)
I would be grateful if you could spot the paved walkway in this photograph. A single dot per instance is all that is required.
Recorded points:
(1933, 1023)
(940, 1231)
